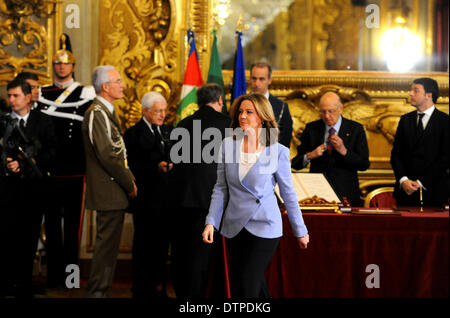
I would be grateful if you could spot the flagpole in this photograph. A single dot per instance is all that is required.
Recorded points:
(239, 79)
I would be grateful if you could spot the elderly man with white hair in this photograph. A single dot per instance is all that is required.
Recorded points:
(110, 183)
(148, 146)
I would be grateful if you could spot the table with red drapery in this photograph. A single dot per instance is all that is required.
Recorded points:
(409, 252)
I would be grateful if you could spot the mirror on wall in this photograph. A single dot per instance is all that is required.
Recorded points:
(364, 35)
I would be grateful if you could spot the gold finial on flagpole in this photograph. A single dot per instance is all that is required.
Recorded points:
(240, 24)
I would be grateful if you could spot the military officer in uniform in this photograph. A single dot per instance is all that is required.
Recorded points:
(66, 101)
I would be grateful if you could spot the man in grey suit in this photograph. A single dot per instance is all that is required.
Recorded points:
(109, 182)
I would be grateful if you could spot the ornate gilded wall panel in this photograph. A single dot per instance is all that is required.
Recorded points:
(134, 38)
(146, 41)
(27, 31)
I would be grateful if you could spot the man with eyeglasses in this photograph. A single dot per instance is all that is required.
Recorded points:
(110, 183)
(148, 148)
(65, 101)
(336, 147)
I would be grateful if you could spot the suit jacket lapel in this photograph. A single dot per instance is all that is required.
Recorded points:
(146, 132)
(344, 132)
(254, 176)
(432, 122)
(237, 156)
(31, 124)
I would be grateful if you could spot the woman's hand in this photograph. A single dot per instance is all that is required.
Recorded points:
(303, 241)
(208, 233)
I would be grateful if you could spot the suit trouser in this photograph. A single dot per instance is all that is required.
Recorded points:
(21, 212)
(62, 241)
(250, 255)
(190, 254)
(150, 249)
(107, 242)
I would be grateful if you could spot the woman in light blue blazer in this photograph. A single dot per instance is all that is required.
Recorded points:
(243, 204)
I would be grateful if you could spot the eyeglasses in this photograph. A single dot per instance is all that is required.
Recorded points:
(328, 111)
(118, 81)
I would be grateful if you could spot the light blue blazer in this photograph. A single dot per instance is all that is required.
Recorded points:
(252, 204)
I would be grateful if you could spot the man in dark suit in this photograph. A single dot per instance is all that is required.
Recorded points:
(29, 144)
(148, 149)
(419, 155)
(193, 184)
(109, 181)
(336, 147)
(65, 101)
(261, 78)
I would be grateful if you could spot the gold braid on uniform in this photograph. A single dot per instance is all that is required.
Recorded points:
(119, 145)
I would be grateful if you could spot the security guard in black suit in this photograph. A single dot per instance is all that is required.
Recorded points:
(66, 102)
(260, 79)
(29, 148)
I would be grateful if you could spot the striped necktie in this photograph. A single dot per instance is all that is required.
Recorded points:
(331, 132)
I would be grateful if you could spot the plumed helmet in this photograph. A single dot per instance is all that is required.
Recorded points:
(64, 54)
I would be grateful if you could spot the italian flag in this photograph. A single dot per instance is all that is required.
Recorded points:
(192, 80)
(215, 70)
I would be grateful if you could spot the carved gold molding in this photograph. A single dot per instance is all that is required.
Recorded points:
(27, 31)
(146, 41)
(135, 37)
(285, 82)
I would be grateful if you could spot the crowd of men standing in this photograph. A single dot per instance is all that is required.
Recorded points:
(72, 137)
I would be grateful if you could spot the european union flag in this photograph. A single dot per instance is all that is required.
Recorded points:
(239, 82)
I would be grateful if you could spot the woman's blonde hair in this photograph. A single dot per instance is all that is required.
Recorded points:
(263, 109)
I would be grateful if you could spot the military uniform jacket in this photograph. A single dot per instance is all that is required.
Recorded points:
(70, 153)
(109, 180)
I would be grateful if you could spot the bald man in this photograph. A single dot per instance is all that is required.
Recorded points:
(336, 147)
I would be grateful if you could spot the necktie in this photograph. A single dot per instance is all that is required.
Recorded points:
(156, 130)
(331, 132)
(420, 124)
(22, 124)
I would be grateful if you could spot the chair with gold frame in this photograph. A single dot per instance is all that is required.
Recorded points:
(380, 197)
